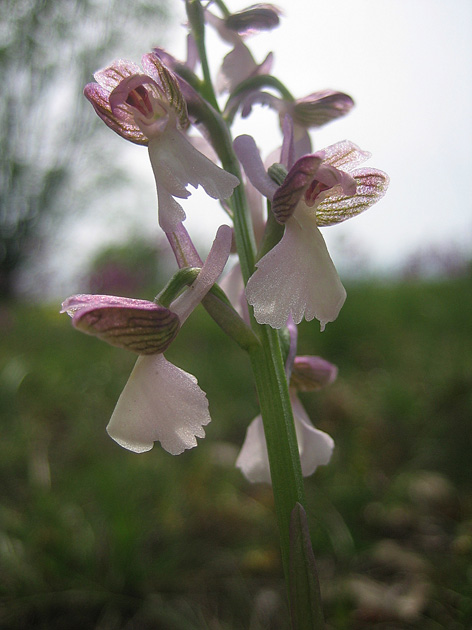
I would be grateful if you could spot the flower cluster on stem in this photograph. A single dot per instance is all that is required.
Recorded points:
(283, 273)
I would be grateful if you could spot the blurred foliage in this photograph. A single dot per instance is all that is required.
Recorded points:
(49, 50)
(92, 536)
(125, 268)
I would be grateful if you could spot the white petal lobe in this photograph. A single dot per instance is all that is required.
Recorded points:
(296, 277)
(160, 402)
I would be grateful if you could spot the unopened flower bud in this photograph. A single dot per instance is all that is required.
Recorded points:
(311, 373)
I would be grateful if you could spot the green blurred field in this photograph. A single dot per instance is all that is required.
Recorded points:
(92, 536)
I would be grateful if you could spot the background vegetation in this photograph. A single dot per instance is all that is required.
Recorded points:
(92, 536)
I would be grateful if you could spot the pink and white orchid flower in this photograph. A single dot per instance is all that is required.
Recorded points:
(309, 112)
(239, 64)
(149, 109)
(160, 402)
(297, 277)
(315, 446)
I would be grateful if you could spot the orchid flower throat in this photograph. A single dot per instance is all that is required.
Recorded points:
(148, 104)
(313, 191)
(139, 99)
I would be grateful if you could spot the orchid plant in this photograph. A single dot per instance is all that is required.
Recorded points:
(284, 273)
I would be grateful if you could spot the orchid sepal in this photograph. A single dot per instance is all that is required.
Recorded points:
(258, 17)
(137, 325)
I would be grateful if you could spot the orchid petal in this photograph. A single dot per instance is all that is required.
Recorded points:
(345, 155)
(153, 65)
(287, 152)
(253, 459)
(176, 164)
(183, 164)
(111, 76)
(259, 17)
(248, 154)
(247, 99)
(320, 108)
(292, 190)
(171, 213)
(302, 143)
(237, 66)
(315, 446)
(297, 277)
(123, 126)
(160, 402)
(371, 185)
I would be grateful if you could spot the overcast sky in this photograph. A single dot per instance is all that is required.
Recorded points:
(408, 66)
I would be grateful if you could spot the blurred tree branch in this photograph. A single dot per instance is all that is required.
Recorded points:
(48, 51)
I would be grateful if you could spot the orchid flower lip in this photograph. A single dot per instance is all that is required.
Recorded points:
(160, 402)
(315, 446)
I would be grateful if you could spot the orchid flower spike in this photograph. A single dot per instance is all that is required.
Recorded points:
(297, 277)
(149, 109)
(160, 402)
(315, 446)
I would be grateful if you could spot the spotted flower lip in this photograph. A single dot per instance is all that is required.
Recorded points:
(297, 277)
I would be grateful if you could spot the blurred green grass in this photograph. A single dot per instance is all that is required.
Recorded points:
(92, 536)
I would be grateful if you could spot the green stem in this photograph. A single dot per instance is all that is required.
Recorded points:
(197, 21)
(267, 362)
(282, 448)
(268, 368)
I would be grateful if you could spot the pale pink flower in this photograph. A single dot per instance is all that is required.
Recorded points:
(160, 402)
(239, 64)
(309, 112)
(297, 277)
(149, 109)
(315, 446)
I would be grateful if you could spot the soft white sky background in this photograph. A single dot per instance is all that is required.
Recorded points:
(408, 66)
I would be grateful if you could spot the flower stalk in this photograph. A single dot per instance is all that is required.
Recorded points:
(266, 360)
(284, 272)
